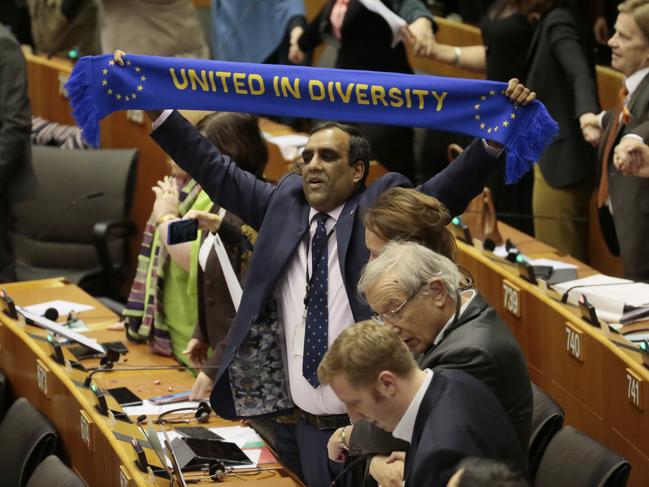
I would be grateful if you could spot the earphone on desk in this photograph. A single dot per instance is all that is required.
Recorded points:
(217, 472)
(201, 414)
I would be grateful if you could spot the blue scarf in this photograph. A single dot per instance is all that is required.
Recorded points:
(98, 87)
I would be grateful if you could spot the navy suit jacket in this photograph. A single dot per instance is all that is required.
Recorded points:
(458, 418)
(279, 212)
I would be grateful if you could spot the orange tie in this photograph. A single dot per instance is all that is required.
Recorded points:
(621, 112)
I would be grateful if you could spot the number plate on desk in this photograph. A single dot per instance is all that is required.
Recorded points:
(42, 377)
(125, 479)
(86, 424)
(512, 298)
(635, 389)
(63, 79)
(573, 342)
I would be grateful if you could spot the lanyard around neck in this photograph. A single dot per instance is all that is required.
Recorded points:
(307, 244)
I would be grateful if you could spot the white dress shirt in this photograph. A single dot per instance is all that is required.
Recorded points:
(290, 293)
(406, 426)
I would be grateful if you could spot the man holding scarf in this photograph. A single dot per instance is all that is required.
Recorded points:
(308, 257)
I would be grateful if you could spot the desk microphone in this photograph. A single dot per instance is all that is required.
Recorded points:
(88, 379)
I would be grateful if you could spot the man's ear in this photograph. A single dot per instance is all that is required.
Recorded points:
(359, 171)
(386, 383)
(437, 291)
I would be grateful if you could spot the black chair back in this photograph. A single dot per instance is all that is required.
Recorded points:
(547, 420)
(5, 395)
(573, 459)
(27, 437)
(76, 224)
(52, 472)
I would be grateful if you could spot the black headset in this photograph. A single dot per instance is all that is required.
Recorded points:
(201, 414)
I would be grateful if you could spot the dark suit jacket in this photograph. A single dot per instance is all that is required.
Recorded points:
(483, 346)
(280, 215)
(561, 70)
(16, 174)
(17, 179)
(366, 37)
(458, 418)
(629, 194)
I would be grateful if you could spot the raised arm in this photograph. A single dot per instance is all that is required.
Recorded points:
(465, 177)
(226, 184)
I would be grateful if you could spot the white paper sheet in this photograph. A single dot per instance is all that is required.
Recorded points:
(555, 264)
(637, 336)
(148, 408)
(60, 330)
(289, 145)
(607, 294)
(63, 307)
(395, 22)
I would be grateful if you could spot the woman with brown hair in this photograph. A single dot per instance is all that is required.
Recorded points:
(407, 214)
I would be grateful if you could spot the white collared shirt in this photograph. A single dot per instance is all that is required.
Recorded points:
(290, 292)
(463, 308)
(406, 425)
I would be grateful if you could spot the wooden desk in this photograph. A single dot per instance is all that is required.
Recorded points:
(98, 456)
(602, 387)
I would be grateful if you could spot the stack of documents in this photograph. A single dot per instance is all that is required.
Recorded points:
(612, 297)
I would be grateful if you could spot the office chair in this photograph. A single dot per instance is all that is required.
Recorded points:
(547, 420)
(76, 225)
(573, 459)
(5, 395)
(54, 473)
(27, 438)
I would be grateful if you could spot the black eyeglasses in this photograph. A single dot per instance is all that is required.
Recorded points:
(391, 317)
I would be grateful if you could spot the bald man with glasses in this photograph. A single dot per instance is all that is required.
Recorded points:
(416, 292)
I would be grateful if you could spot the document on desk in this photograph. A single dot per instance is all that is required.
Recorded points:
(61, 330)
(555, 264)
(61, 306)
(148, 408)
(290, 145)
(611, 296)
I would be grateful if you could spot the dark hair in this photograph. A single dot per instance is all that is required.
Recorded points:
(359, 146)
(238, 136)
(544, 6)
(525, 7)
(485, 472)
(407, 214)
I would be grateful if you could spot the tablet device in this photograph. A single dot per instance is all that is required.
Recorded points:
(224, 451)
(82, 352)
(125, 397)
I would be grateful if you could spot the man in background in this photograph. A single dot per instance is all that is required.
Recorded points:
(16, 174)
(623, 201)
